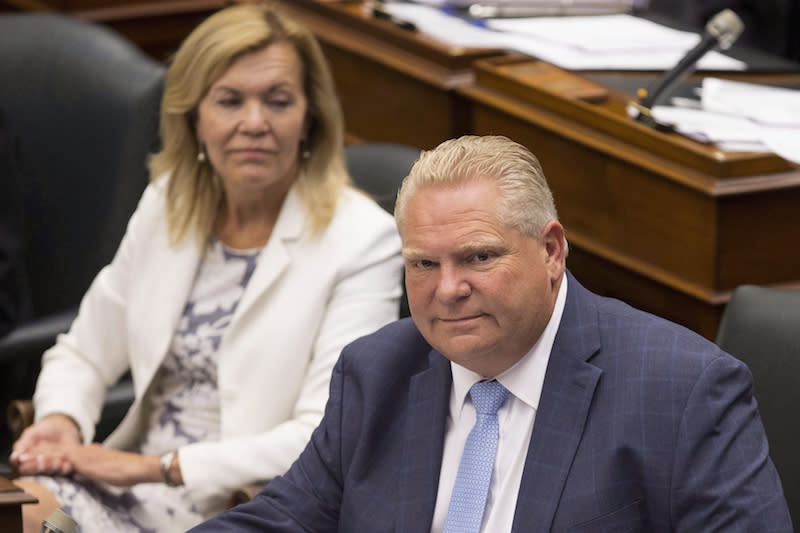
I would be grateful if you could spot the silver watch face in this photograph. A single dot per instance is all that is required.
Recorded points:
(165, 462)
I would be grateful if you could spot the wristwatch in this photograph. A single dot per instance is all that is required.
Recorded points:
(165, 462)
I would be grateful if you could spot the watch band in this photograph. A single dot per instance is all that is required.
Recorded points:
(165, 463)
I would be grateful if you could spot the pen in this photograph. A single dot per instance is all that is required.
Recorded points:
(549, 9)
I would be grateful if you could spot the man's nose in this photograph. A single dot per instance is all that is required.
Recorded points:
(453, 284)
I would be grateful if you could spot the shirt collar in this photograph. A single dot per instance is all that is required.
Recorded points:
(526, 378)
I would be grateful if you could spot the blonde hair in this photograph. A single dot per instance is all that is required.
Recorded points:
(194, 192)
(526, 201)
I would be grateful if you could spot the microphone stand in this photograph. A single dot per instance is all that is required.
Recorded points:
(721, 32)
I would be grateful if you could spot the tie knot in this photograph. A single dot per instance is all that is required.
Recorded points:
(488, 397)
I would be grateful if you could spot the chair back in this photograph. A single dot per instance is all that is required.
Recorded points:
(761, 327)
(81, 106)
(379, 169)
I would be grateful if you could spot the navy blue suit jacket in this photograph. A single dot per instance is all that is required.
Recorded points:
(642, 426)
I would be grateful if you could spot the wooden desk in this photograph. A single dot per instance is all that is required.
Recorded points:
(11, 500)
(665, 223)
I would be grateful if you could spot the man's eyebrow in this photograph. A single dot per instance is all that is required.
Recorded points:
(479, 245)
(412, 252)
(469, 247)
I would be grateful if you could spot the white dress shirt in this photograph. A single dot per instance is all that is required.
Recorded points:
(524, 381)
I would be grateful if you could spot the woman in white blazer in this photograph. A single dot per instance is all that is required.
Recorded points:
(248, 265)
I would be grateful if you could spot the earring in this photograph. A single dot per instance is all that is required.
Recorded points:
(305, 151)
(201, 151)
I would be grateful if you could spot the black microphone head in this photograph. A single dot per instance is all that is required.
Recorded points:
(725, 27)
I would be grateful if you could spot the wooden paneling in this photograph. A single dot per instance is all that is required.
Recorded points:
(363, 85)
(395, 85)
(758, 241)
(26, 5)
(611, 278)
(157, 27)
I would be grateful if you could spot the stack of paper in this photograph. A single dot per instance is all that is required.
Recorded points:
(740, 116)
(603, 42)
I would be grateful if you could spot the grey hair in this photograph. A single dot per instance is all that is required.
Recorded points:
(526, 201)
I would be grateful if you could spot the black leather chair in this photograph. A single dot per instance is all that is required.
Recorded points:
(761, 327)
(379, 170)
(80, 104)
(14, 297)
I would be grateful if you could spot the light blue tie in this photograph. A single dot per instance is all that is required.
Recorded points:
(468, 502)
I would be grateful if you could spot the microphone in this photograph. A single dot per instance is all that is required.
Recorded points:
(59, 522)
(720, 32)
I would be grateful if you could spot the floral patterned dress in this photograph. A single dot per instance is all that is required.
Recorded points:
(182, 407)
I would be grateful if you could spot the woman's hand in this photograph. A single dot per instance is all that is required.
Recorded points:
(92, 461)
(41, 447)
(123, 469)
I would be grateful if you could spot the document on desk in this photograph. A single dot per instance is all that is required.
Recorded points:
(602, 34)
(738, 116)
(616, 4)
(443, 26)
(602, 42)
(774, 106)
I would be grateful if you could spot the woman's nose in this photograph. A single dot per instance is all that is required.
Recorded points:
(255, 118)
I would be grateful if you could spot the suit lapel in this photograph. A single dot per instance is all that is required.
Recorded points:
(567, 394)
(275, 257)
(428, 404)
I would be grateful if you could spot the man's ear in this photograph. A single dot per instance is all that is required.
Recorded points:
(555, 247)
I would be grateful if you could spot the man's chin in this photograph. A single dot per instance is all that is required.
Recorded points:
(465, 351)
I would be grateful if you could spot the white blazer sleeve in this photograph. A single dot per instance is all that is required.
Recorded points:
(77, 370)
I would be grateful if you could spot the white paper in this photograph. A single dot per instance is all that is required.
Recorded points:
(713, 126)
(783, 141)
(446, 28)
(740, 116)
(575, 59)
(602, 33)
(767, 105)
(742, 146)
(574, 51)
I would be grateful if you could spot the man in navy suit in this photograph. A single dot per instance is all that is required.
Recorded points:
(615, 420)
